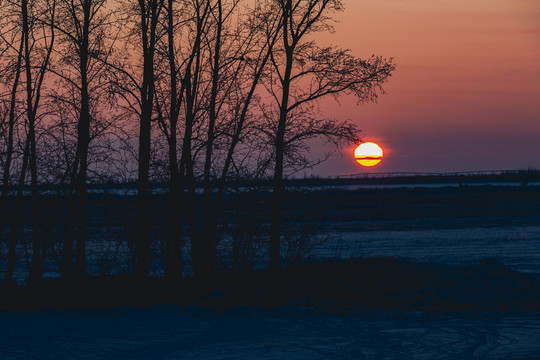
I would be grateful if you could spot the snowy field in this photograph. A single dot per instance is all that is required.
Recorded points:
(515, 245)
(518, 246)
(195, 333)
(171, 333)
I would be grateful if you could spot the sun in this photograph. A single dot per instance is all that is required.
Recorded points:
(368, 154)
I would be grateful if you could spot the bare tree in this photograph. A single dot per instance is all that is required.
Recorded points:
(173, 245)
(149, 16)
(303, 74)
(133, 81)
(81, 28)
(234, 52)
(11, 71)
(253, 49)
(185, 23)
(37, 45)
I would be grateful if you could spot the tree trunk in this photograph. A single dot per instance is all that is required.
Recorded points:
(15, 223)
(279, 144)
(209, 234)
(149, 16)
(83, 133)
(35, 273)
(143, 200)
(9, 148)
(173, 245)
(188, 178)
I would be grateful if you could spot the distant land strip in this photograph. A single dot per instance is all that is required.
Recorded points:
(441, 174)
(523, 177)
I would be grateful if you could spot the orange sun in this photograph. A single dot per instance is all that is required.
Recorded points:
(368, 154)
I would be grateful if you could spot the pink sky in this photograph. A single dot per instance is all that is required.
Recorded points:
(466, 93)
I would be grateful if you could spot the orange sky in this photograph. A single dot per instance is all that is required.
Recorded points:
(466, 93)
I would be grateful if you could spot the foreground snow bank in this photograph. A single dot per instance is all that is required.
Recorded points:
(382, 284)
(195, 333)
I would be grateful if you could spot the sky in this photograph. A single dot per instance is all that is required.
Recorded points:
(466, 92)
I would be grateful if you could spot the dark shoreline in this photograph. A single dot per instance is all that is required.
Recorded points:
(370, 284)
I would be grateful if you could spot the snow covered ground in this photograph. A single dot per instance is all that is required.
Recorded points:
(518, 247)
(173, 333)
(195, 333)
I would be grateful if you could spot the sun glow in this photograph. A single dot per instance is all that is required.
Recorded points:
(368, 154)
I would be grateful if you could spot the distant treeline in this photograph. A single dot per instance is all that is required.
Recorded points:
(192, 94)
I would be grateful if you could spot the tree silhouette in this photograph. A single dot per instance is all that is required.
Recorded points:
(37, 40)
(303, 74)
(81, 31)
(207, 93)
(9, 118)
